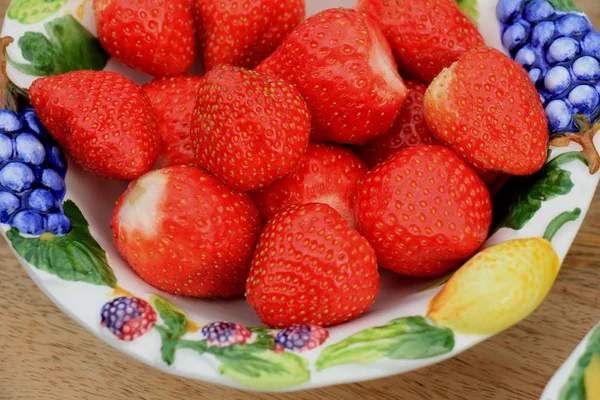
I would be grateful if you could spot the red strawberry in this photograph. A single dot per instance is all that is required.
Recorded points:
(244, 32)
(102, 119)
(343, 67)
(426, 36)
(186, 233)
(152, 36)
(489, 112)
(173, 100)
(424, 211)
(495, 185)
(248, 129)
(410, 129)
(310, 267)
(327, 174)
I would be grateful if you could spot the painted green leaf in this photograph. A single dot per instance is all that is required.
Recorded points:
(402, 338)
(565, 5)
(169, 345)
(558, 222)
(264, 337)
(174, 317)
(199, 346)
(32, 11)
(76, 256)
(470, 9)
(67, 47)
(574, 389)
(253, 365)
(258, 368)
(521, 198)
(175, 325)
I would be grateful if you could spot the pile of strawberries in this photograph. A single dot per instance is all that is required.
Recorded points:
(255, 178)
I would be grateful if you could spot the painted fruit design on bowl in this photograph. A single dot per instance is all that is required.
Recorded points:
(32, 175)
(558, 46)
(274, 202)
(48, 232)
(578, 377)
(128, 317)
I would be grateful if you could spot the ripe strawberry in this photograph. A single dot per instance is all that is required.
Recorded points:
(426, 36)
(424, 211)
(248, 129)
(102, 119)
(128, 317)
(343, 67)
(186, 233)
(152, 36)
(494, 185)
(488, 111)
(310, 267)
(327, 174)
(410, 129)
(173, 100)
(488, 177)
(243, 33)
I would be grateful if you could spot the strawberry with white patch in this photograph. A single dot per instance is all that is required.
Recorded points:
(343, 67)
(493, 119)
(426, 36)
(186, 233)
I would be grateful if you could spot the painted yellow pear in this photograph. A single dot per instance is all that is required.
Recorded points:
(496, 288)
(592, 379)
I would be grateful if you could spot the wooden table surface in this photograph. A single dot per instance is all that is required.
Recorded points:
(46, 355)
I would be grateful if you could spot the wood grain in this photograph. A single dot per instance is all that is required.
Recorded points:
(46, 355)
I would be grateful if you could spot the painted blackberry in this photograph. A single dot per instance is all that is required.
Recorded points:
(225, 333)
(128, 317)
(32, 167)
(556, 43)
(300, 337)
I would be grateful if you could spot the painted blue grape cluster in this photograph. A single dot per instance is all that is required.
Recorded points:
(32, 172)
(560, 49)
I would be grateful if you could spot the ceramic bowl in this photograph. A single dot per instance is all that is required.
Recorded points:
(87, 279)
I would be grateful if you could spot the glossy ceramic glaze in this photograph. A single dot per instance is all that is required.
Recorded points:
(185, 336)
